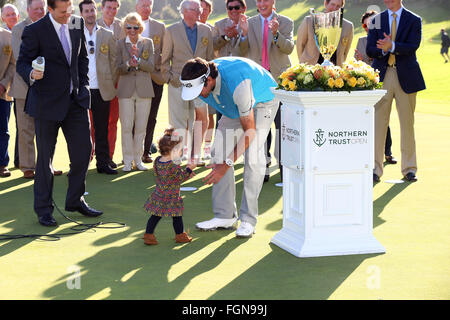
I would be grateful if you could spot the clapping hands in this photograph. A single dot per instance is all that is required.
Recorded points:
(385, 44)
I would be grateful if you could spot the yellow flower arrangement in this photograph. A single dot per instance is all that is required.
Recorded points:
(354, 75)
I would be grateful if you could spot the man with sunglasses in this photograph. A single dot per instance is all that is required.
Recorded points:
(58, 97)
(186, 40)
(102, 52)
(154, 30)
(227, 32)
(307, 50)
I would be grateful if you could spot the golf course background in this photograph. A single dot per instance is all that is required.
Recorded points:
(410, 220)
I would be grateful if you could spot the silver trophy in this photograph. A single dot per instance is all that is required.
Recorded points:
(327, 29)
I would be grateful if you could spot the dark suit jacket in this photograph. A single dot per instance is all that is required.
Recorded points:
(407, 41)
(49, 98)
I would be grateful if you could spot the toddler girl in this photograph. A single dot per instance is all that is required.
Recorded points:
(166, 201)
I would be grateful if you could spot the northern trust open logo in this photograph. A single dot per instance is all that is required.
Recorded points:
(319, 140)
(343, 137)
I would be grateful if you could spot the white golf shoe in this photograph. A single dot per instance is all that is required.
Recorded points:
(215, 223)
(245, 230)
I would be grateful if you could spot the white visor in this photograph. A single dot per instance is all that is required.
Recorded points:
(193, 88)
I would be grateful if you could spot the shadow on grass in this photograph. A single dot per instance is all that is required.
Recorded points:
(382, 201)
(136, 271)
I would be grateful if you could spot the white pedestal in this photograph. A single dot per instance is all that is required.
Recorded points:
(327, 157)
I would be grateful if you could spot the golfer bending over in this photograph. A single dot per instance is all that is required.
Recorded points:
(239, 89)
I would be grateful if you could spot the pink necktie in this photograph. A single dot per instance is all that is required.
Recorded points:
(265, 55)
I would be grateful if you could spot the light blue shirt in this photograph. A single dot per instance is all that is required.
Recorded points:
(262, 22)
(391, 19)
(191, 35)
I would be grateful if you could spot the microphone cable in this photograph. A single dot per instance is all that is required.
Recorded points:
(79, 228)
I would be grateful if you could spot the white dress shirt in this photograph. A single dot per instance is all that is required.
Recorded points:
(57, 26)
(146, 32)
(92, 73)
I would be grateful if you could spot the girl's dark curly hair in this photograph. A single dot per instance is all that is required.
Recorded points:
(168, 141)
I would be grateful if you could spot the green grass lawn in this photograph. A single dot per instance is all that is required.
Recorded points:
(410, 220)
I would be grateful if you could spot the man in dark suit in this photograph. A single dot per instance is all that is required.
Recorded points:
(393, 39)
(57, 98)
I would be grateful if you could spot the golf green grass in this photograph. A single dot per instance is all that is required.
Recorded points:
(410, 220)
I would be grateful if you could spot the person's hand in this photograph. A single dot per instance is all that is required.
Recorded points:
(243, 24)
(231, 31)
(217, 172)
(273, 25)
(385, 44)
(358, 55)
(2, 89)
(37, 75)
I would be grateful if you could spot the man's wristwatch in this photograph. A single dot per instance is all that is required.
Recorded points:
(225, 37)
(229, 162)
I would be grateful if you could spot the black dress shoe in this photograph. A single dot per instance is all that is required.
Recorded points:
(390, 160)
(411, 177)
(266, 178)
(376, 178)
(47, 221)
(85, 210)
(106, 169)
(112, 164)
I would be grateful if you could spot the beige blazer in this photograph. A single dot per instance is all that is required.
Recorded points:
(278, 52)
(118, 31)
(7, 63)
(177, 50)
(19, 88)
(223, 47)
(140, 80)
(106, 65)
(307, 50)
(157, 31)
(361, 47)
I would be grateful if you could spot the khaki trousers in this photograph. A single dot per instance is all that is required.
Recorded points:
(26, 132)
(182, 114)
(133, 112)
(228, 133)
(406, 104)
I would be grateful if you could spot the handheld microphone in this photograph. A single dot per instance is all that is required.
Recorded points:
(39, 64)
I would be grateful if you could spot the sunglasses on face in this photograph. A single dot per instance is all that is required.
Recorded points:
(91, 48)
(132, 27)
(230, 8)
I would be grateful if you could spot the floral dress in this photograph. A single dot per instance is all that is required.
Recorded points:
(166, 201)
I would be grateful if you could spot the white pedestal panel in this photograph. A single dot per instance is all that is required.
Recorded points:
(327, 157)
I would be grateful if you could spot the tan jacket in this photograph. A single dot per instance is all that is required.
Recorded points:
(118, 31)
(361, 47)
(177, 50)
(106, 65)
(278, 52)
(19, 88)
(307, 50)
(223, 47)
(157, 31)
(7, 62)
(140, 80)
